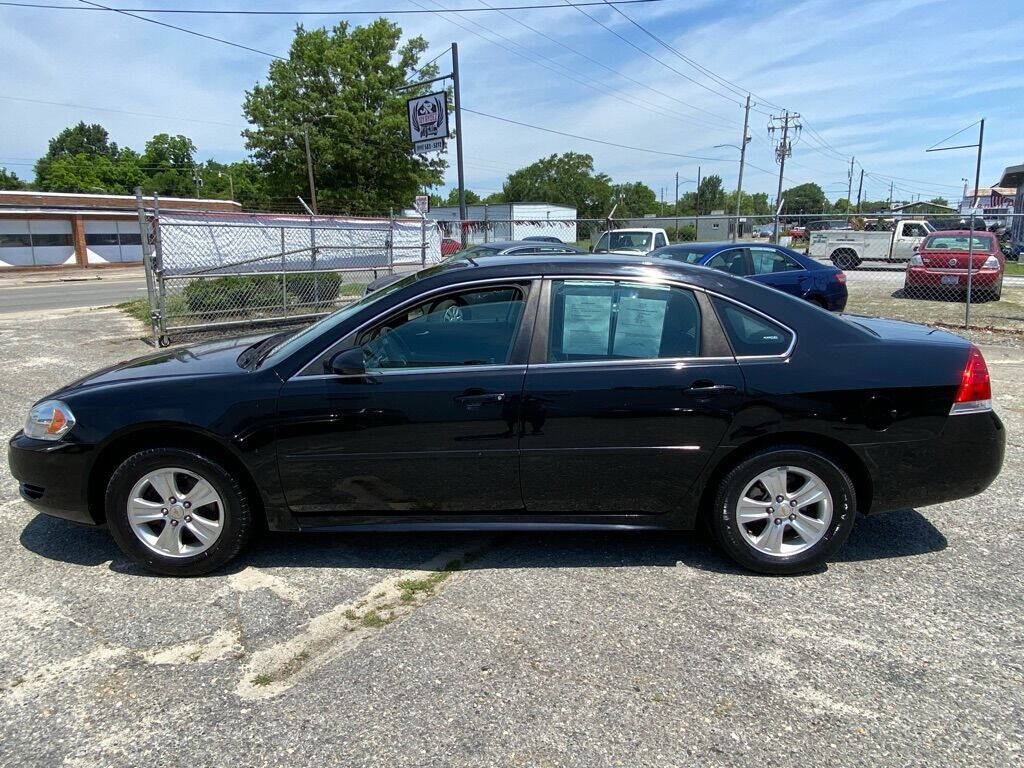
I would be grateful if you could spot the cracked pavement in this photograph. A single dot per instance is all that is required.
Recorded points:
(641, 649)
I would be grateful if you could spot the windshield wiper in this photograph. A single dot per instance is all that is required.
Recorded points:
(254, 355)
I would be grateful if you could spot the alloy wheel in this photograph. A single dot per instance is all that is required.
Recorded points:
(784, 511)
(175, 512)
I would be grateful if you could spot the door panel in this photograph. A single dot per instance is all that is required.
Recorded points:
(622, 439)
(620, 413)
(401, 442)
(775, 268)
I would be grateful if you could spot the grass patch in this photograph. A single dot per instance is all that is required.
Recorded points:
(294, 663)
(411, 587)
(374, 620)
(262, 680)
(351, 615)
(137, 308)
(1014, 268)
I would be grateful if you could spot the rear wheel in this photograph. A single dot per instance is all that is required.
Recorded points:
(784, 510)
(845, 259)
(177, 512)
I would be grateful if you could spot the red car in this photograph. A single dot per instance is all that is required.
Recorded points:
(450, 246)
(798, 232)
(940, 264)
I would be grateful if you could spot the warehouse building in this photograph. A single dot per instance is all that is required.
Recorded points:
(51, 229)
(507, 221)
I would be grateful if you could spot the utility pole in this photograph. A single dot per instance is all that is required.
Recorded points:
(849, 186)
(970, 236)
(890, 195)
(743, 156)
(696, 218)
(458, 139)
(675, 206)
(860, 188)
(309, 169)
(784, 150)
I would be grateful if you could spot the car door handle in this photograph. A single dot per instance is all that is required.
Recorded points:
(472, 402)
(706, 387)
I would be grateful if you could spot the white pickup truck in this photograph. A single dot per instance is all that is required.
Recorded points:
(847, 248)
(631, 241)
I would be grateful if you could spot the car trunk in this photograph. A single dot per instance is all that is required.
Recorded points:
(900, 331)
(952, 259)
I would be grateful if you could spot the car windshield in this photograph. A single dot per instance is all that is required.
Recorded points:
(623, 241)
(957, 243)
(292, 342)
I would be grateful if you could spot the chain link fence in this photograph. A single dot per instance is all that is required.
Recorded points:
(224, 271)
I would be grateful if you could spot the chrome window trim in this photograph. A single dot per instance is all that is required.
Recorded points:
(653, 279)
(755, 358)
(512, 368)
(407, 302)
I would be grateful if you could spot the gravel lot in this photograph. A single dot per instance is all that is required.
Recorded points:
(541, 650)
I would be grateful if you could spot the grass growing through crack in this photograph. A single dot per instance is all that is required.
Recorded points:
(374, 620)
(411, 587)
(262, 680)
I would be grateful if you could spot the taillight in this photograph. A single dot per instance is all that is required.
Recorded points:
(975, 393)
(840, 278)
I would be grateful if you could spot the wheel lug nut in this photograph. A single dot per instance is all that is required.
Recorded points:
(188, 518)
(163, 511)
(175, 501)
(778, 520)
(792, 503)
(792, 517)
(188, 504)
(175, 522)
(779, 499)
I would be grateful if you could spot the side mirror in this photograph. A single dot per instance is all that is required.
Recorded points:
(917, 247)
(348, 362)
(591, 249)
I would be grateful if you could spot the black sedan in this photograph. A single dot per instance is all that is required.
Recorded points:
(583, 392)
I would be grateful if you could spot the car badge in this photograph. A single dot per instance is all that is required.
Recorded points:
(952, 262)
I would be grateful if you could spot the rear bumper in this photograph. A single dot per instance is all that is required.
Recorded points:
(927, 276)
(52, 477)
(962, 461)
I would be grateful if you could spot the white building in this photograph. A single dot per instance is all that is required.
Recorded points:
(508, 221)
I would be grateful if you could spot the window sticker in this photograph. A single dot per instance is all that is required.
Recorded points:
(639, 326)
(586, 324)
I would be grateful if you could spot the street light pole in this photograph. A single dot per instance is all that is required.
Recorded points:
(743, 156)
(309, 169)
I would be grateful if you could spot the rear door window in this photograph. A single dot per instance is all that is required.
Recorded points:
(615, 320)
(749, 333)
(768, 260)
(733, 261)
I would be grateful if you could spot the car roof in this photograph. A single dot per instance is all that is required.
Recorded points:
(965, 232)
(501, 245)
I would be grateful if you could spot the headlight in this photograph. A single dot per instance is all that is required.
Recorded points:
(916, 261)
(991, 263)
(50, 420)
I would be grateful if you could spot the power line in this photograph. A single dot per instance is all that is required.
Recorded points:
(592, 59)
(595, 141)
(339, 12)
(651, 56)
(734, 87)
(118, 111)
(182, 29)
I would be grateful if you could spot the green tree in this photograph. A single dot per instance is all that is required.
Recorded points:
(710, 195)
(495, 198)
(804, 198)
(92, 174)
(10, 180)
(567, 179)
(169, 166)
(939, 201)
(242, 182)
(756, 204)
(472, 198)
(92, 140)
(634, 199)
(341, 85)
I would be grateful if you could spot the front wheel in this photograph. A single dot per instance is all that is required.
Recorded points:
(177, 512)
(784, 510)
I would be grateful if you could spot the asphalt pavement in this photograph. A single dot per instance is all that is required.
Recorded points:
(18, 296)
(540, 651)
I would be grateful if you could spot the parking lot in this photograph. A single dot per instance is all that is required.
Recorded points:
(509, 650)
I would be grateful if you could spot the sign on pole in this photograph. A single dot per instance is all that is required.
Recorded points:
(428, 121)
(422, 204)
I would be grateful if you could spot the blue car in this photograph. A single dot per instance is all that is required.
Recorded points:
(773, 265)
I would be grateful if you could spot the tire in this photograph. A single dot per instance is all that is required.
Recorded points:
(231, 511)
(452, 310)
(794, 554)
(845, 259)
(909, 291)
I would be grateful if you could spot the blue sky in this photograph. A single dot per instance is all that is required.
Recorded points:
(879, 80)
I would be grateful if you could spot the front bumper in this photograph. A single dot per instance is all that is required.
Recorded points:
(53, 477)
(944, 278)
(962, 461)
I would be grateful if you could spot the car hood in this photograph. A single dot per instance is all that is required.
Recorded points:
(208, 358)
